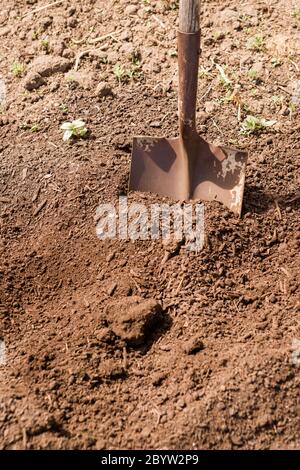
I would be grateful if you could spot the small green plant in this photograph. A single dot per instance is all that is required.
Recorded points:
(35, 35)
(296, 13)
(135, 72)
(64, 108)
(223, 77)
(255, 43)
(45, 45)
(34, 128)
(103, 60)
(252, 124)
(17, 69)
(70, 78)
(253, 74)
(120, 73)
(147, 6)
(24, 126)
(74, 129)
(244, 18)
(172, 5)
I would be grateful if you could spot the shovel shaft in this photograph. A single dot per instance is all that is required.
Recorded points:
(188, 62)
(189, 16)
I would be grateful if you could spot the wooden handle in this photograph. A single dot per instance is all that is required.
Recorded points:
(189, 16)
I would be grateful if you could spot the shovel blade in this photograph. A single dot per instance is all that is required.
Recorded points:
(192, 169)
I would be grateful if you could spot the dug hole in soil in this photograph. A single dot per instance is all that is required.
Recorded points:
(117, 344)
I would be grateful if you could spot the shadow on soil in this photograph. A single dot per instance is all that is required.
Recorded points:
(259, 202)
(157, 331)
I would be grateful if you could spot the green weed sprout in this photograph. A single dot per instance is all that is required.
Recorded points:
(296, 13)
(123, 75)
(255, 43)
(253, 74)
(35, 35)
(17, 69)
(134, 72)
(74, 129)
(172, 4)
(45, 44)
(34, 128)
(252, 124)
(120, 73)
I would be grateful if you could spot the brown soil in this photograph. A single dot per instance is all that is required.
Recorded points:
(216, 370)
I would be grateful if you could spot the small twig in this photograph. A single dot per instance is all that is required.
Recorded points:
(165, 116)
(125, 362)
(133, 273)
(79, 56)
(236, 307)
(48, 396)
(37, 10)
(285, 90)
(169, 284)
(80, 41)
(239, 113)
(206, 93)
(166, 257)
(179, 286)
(156, 411)
(216, 125)
(101, 38)
(278, 209)
(295, 65)
(36, 195)
(136, 284)
(295, 198)
(285, 271)
(83, 53)
(40, 207)
(159, 21)
(53, 145)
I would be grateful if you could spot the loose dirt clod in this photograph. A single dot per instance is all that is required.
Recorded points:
(4, 31)
(134, 318)
(193, 345)
(49, 65)
(109, 369)
(158, 378)
(103, 89)
(81, 78)
(33, 80)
